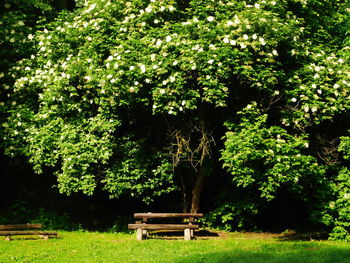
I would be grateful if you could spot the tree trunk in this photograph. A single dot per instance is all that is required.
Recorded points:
(185, 197)
(197, 191)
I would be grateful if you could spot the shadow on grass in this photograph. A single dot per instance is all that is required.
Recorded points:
(303, 236)
(297, 255)
(165, 234)
(24, 238)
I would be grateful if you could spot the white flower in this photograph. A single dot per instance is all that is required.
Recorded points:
(158, 43)
(116, 65)
(172, 78)
(175, 63)
(87, 78)
(171, 8)
(317, 68)
(131, 67)
(168, 39)
(210, 18)
(89, 38)
(230, 23)
(294, 99)
(245, 37)
(132, 89)
(211, 61)
(109, 76)
(273, 3)
(314, 109)
(162, 91)
(92, 7)
(254, 36)
(306, 108)
(262, 41)
(319, 91)
(314, 86)
(257, 6)
(243, 45)
(306, 145)
(336, 86)
(148, 9)
(143, 68)
(274, 52)
(226, 40)
(30, 36)
(277, 92)
(233, 42)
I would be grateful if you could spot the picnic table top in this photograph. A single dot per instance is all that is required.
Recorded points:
(20, 226)
(167, 215)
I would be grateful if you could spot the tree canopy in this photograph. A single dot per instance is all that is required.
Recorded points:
(148, 97)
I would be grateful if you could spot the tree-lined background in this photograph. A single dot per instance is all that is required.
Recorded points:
(238, 109)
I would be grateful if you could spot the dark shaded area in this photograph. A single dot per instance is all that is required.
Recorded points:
(26, 198)
(284, 212)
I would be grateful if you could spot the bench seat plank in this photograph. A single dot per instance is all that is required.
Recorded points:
(162, 226)
(16, 233)
(167, 215)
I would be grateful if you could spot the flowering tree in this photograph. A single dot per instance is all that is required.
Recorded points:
(132, 96)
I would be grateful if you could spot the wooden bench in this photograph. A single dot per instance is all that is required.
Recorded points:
(142, 225)
(24, 229)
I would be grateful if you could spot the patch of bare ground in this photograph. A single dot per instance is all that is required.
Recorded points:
(288, 235)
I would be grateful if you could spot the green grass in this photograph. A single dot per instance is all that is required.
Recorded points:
(86, 247)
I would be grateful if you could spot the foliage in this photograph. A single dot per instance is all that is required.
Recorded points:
(264, 158)
(18, 22)
(109, 84)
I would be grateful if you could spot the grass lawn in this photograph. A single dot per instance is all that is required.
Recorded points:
(86, 247)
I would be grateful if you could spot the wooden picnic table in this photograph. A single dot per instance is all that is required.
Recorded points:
(142, 224)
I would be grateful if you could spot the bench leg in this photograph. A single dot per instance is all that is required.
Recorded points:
(8, 238)
(145, 233)
(139, 234)
(187, 234)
